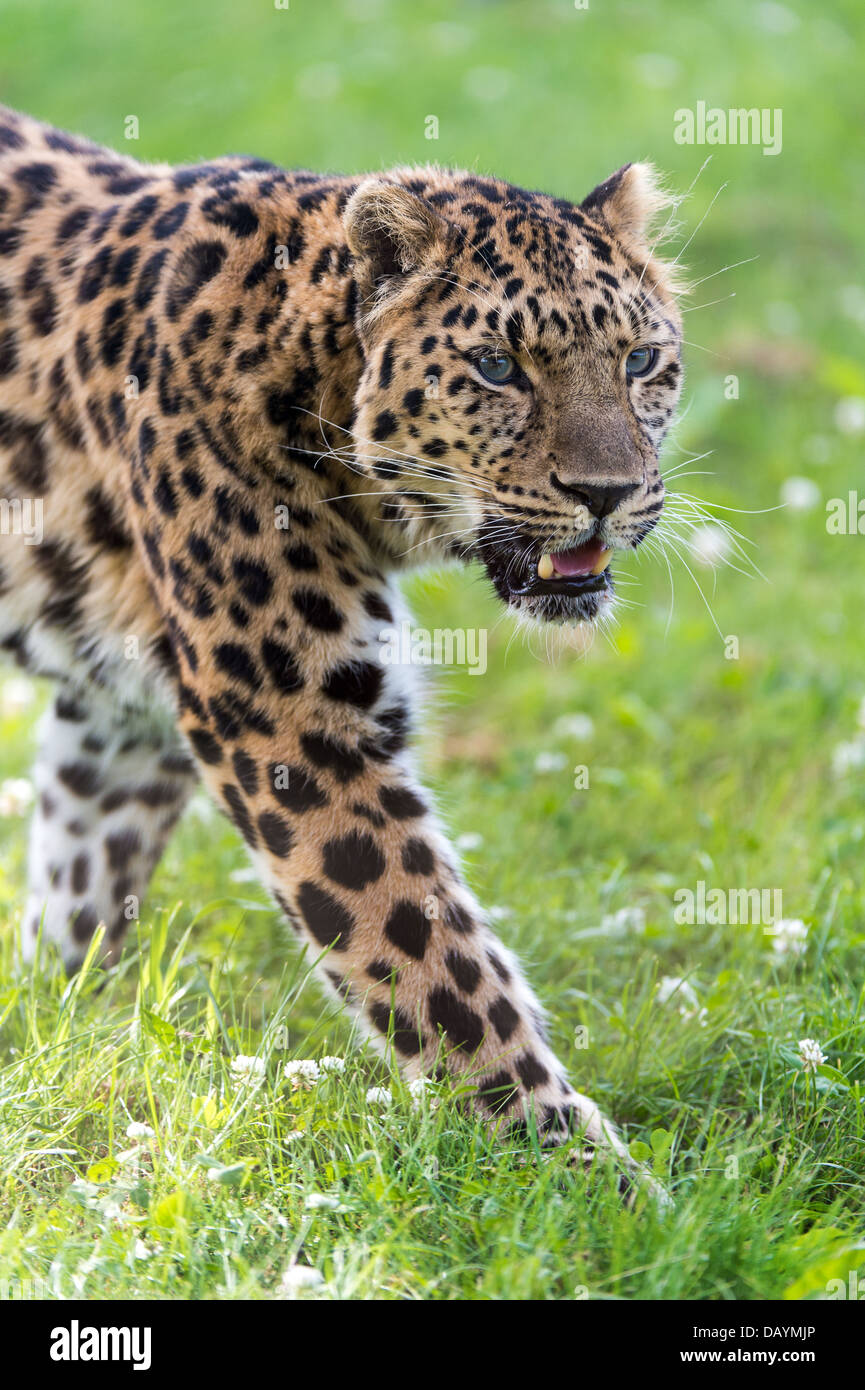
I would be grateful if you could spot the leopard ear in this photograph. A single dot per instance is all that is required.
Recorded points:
(628, 201)
(391, 231)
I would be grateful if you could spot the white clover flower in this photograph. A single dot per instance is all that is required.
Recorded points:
(137, 1130)
(302, 1074)
(419, 1090)
(202, 807)
(16, 695)
(16, 795)
(850, 415)
(789, 937)
(626, 919)
(810, 1054)
(800, 494)
(247, 1068)
(777, 19)
(379, 1095)
(499, 914)
(317, 1201)
(709, 545)
(579, 726)
(299, 1278)
(672, 986)
(469, 841)
(336, 1064)
(848, 757)
(550, 762)
(141, 1251)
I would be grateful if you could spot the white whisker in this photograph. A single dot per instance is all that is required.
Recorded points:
(699, 224)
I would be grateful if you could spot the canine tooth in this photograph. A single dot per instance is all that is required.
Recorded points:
(603, 561)
(546, 569)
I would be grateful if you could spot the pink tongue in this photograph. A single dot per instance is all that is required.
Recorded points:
(579, 561)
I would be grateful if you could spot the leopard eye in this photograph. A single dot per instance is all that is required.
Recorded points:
(496, 366)
(640, 361)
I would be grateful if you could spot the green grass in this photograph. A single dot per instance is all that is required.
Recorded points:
(700, 767)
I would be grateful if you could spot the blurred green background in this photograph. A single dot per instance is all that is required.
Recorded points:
(744, 772)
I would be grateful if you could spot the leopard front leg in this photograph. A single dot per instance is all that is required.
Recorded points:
(300, 731)
(350, 849)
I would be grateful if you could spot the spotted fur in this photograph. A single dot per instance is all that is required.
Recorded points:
(246, 398)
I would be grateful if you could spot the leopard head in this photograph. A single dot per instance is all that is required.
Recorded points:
(522, 364)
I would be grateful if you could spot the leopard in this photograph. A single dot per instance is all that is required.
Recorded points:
(238, 403)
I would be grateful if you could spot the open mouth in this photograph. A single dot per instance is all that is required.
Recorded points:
(578, 571)
(568, 585)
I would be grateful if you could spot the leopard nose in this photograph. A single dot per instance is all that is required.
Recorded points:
(599, 498)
